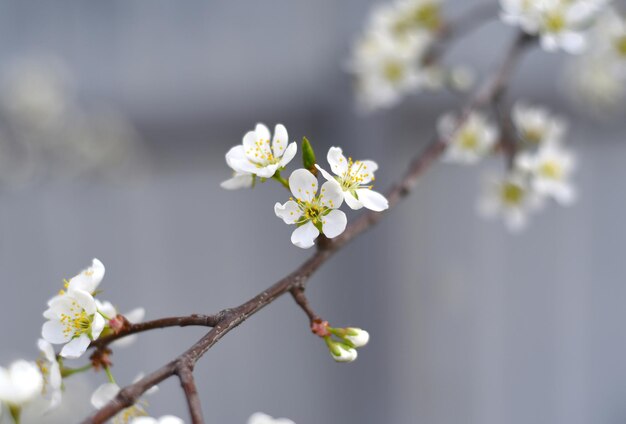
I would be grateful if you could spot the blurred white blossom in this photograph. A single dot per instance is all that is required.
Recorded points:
(469, 142)
(165, 419)
(20, 384)
(550, 169)
(560, 24)
(535, 125)
(51, 372)
(510, 197)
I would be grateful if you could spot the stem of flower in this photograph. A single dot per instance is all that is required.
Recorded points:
(281, 180)
(107, 370)
(67, 372)
(16, 412)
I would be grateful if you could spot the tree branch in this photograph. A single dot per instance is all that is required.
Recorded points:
(229, 319)
(185, 375)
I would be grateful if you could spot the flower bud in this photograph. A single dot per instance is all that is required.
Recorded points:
(341, 352)
(308, 156)
(357, 337)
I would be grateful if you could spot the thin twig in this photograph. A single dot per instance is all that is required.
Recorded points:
(303, 302)
(231, 318)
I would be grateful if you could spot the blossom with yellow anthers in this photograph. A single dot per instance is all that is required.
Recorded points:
(312, 213)
(511, 197)
(355, 179)
(107, 392)
(469, 142)
(258, 156)
(560, 24)
(550, 169)
(73, 320)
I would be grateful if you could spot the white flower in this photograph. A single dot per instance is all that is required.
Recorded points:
(354, 179)
(51, 372)
(20, 383)
(560, 24)
(387, 68)
(469, 142)
(256, 156)
(357, 337)
(73, 320)
(312, 213)
(535, 125)
(88, 279)
(165, 419)
(261, 418)
(106, 392)
(550, 167)
(511, 197)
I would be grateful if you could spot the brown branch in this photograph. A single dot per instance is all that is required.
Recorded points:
(298, 295)
(185, 321)
(187, 382)
(229, 319)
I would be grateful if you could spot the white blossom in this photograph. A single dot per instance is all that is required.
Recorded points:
(355, 180)
(510, 197)
(165, 419)
(560, 24)
(257, 156)
(261, 418)
(341, 352)
(88, 279)
(469, 142)
(310, 212)
(387, 68)
(106, 392)
(21, 383)
(535, 125)
(51, 372)
(73, 320)
(550, 168)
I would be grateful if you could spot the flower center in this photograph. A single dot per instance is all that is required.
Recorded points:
(393, 71)
(511, 194)
(620, 45)
(551, 169)
(355, 176)
(555, 22)
(262, 153)
(468, 140)
(77, 322)
(427, 16)
(533, 134)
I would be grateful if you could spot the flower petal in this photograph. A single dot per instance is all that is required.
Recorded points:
(53, 332)
(365, 170)
(76, 347)
(239, 180)
(289, 154)
(280, 140)
(303, 185)
(305, 235)
(337, 161)
(289, 212)
(88, 279)
(325, 173)
(104, 394)
(262, 132)
(97, 326)
(372, 200)
(331, 195)
(46, 349)
(352, 201)
(334, 223)
(267, 171)
(85, 301)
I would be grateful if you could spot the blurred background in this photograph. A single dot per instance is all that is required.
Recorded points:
(115, 120)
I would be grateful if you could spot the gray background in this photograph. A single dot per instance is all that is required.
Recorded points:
(469, 324)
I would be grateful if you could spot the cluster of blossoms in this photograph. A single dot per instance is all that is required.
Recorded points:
(312, 209)
(391, 58)
(559, 24)
(75, 318)
(541, 168)
(598, 77)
